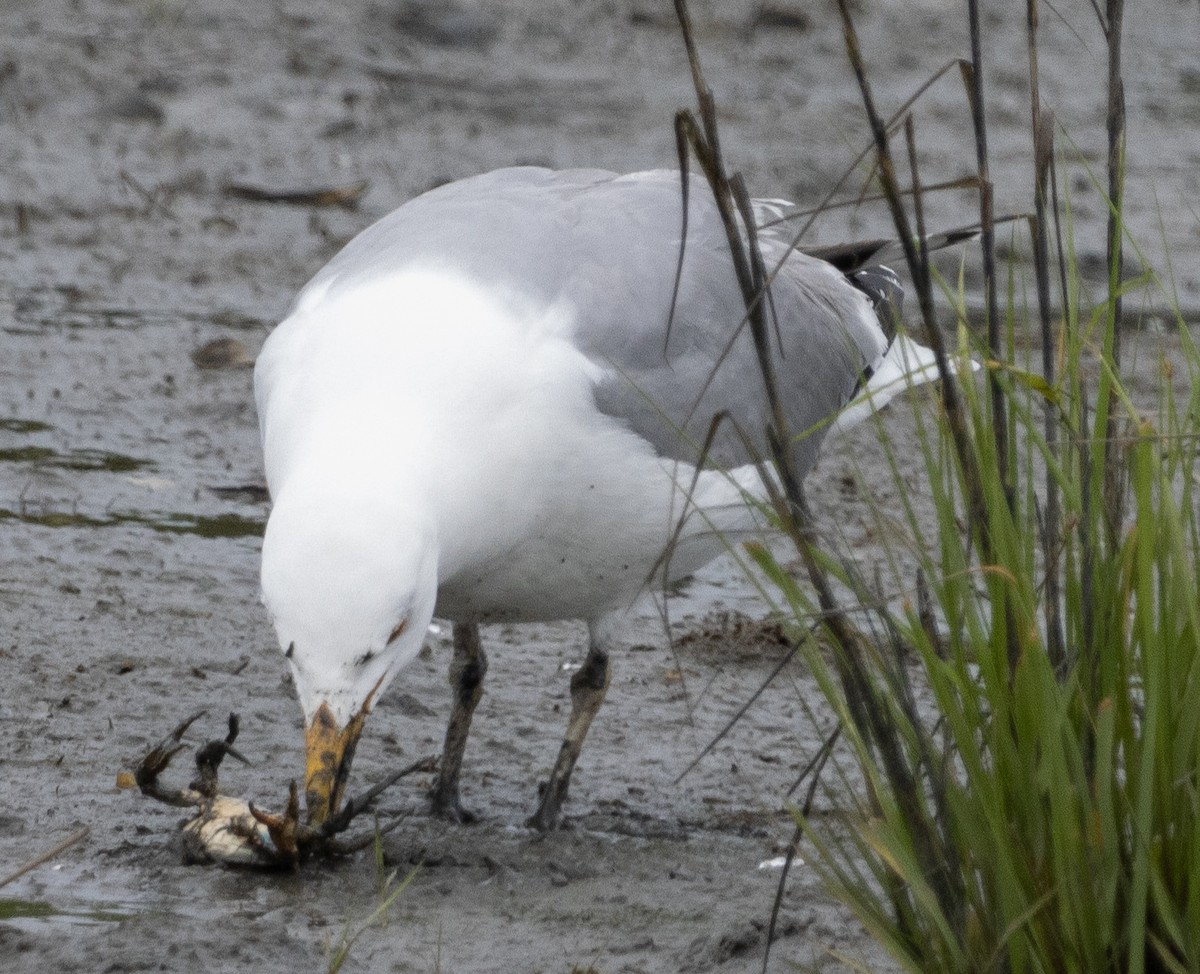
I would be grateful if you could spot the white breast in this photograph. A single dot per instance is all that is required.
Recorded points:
(479, 410)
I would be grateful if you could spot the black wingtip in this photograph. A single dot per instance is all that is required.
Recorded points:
(882, 287)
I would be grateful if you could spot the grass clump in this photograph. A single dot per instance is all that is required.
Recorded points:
(1038, 809)
(1040, 812)
(1034, 814)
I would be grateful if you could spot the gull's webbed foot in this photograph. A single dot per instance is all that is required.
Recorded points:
(445, 803)
(548, 816)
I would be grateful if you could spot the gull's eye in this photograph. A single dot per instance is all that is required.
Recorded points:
(395, 634)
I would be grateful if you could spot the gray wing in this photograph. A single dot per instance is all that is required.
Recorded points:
(825, 338)
(608, 247)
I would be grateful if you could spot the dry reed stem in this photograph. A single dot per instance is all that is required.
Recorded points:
(987, 246)
(1114, 500)
(1042, 125)
(77, 836)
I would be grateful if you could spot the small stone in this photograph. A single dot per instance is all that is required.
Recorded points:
(136, 107)
(223, 353)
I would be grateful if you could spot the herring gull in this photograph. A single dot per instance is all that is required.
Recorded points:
(476, 411)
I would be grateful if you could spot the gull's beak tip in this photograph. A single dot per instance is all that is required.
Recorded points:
(329, 750)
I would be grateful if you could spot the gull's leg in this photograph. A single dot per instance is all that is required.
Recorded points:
(467, 670)
(588, 686)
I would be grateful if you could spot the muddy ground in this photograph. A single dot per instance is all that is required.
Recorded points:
(128, 555)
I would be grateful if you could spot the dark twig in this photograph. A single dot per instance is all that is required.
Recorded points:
(70, 840)
(1068, 299)
(152, 197)
(814, 767)
(926, 616)
(962, 182)
(681, 149)
(1088, 543)
(741, 712)
(918, 196)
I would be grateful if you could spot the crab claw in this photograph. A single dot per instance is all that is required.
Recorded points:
(285, 830)
(209, 758)
(231, 830)
(145, 775)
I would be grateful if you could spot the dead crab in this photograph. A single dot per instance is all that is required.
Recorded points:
(232, 830)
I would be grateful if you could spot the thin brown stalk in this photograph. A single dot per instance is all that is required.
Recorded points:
(77, 836)
(873, 719)
(1068, 318)
(1068, 299)
(731, 198)
(1116, 161)
(1113, 25)
(869, 716)
(926, 616)
(963, 182)
(987, 246)
(1087, 547)
(1043, 154)
(741, 712)
(712, 163)
(951, 400)
(910, 139)
(814, 768)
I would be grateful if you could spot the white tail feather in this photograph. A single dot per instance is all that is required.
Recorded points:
(905, 365)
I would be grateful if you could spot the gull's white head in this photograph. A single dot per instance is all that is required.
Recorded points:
(350, 585)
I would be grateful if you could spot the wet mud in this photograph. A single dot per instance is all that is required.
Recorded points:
(131, 498)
